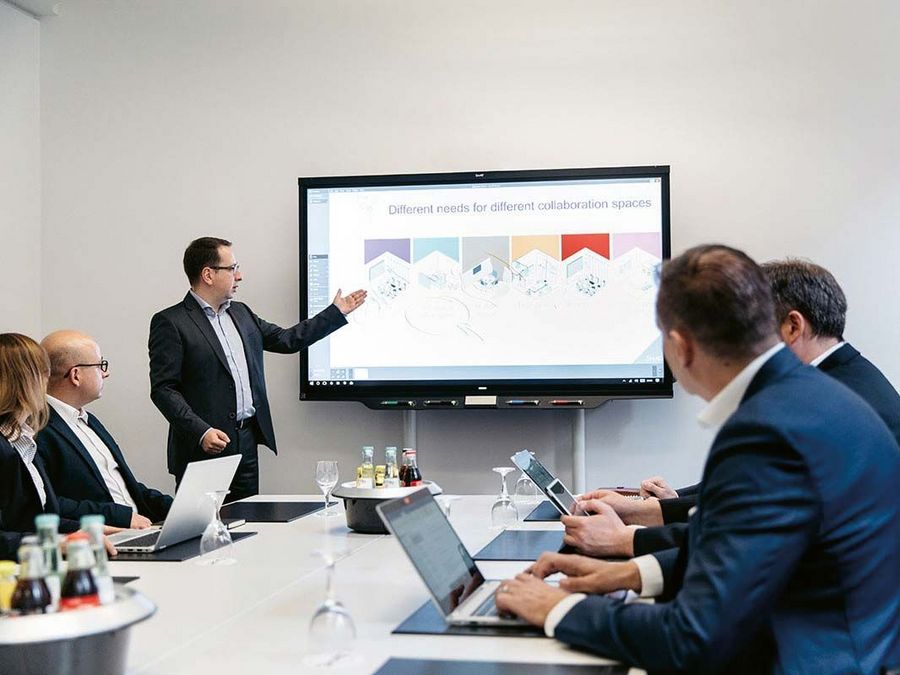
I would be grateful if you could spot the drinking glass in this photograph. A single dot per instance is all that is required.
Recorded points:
(326, 479)
(216, 546)
(526, 491)
(503, 512)
(332, 633)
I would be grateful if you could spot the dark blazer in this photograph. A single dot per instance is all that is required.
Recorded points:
(792, 552)
(75, 476)
(650, 539)
(847, 366)
(20, 503)
(854, 370)
(190, 381)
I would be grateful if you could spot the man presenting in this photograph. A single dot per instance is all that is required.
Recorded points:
(206, 364)
(80, 456)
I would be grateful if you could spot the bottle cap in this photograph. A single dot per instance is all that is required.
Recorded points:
(43, 520)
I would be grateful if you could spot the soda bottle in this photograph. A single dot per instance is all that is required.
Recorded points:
(413, 475)
(47, 526)
(391, 474)
(93, 526)
(79, 588)
(31, 595)
(404, 467)
(367, 480)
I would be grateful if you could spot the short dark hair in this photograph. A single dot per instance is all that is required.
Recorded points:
(811, 290)
(721, 297)
(200, 253)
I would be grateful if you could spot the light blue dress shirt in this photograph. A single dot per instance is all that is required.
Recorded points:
(233, 346)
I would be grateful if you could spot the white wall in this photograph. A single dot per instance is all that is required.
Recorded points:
(166, 120)
(20, 173)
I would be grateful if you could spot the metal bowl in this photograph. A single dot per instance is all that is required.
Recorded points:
(360, 503)
(83, 642)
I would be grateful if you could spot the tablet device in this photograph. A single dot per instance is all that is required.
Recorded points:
(551, 486)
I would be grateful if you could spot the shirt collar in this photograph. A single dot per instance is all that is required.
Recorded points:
(723, 404)
(828, 352)
(66, 411)
(208, 308)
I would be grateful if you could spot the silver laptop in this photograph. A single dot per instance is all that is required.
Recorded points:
(191, 510)
(456, 586)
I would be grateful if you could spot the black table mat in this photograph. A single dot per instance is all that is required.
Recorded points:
(270, 512)
(427, 620)
(177, 553)
(544, 512)
(124, 580)
(434, 667)
(521, 545)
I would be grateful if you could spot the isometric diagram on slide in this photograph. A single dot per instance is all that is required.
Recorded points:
(535, 263)
(436, 263)
(485, 266)
(636, 258)
(586, 272)
(387, 268)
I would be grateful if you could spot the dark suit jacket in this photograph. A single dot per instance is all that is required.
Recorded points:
(848, 367)
(20, 502)
(190, 381)
(792, 552)
(75, 476)
(650, 539)
(854, 370)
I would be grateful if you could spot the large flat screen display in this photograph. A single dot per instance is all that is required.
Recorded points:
(513, 288)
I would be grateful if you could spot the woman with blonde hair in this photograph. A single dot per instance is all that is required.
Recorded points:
(25, 490)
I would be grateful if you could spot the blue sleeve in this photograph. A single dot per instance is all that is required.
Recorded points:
(759, 512)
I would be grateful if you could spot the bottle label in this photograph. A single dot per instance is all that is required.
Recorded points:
(79, 602)
(415, 483)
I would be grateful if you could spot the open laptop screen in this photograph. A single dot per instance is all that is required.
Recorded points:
(433, 547)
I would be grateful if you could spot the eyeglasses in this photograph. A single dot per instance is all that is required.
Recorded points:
(103, 366)
(231, 268)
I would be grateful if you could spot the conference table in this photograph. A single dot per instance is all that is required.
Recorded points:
(252, 618)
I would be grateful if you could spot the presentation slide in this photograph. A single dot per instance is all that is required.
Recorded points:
(486, 279)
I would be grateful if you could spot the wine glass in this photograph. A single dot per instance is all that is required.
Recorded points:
(332, 633)
(526, 491)
(216, 546)
(503, 512)
(326, 479)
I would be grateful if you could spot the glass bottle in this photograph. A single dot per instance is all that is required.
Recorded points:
(413, 475)
(391, 474)
(379, 475)
(93, 526)
(31, 595)
(47, 526)
(404, 467)
(367, 480)
(7, 584)
(79, 588)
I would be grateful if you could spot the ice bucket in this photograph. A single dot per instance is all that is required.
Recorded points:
(360, 503)
(81, 642)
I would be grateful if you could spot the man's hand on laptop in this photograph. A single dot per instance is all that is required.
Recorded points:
(587, 575)
(139, 522)
(529, 598)
(656, 486)
(110, 549)
(632, 511)
(600, 535)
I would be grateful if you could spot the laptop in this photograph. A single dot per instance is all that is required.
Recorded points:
(550, 485)
(191, 510)
(456, 586)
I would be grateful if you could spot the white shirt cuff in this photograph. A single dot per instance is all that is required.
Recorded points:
(204, 436)
(651, 575)
(559, 612)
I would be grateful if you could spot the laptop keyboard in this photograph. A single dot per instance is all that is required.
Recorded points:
(487, 608)
(145, 540)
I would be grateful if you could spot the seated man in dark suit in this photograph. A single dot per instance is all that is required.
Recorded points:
(80, 456)
(811, 311)
(795, 541)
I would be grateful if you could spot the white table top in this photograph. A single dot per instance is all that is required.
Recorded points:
(252, 618)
